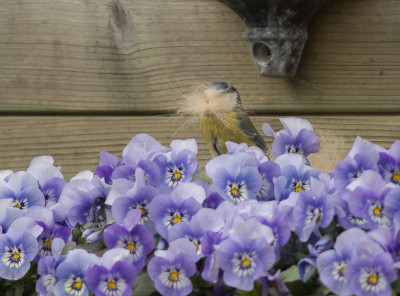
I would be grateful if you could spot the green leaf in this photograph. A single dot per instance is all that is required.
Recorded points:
(92, 247)
(201, 175)
(396, 286)
(19, 290)
(143, 285)
(68, 247)
(325, 290)
(291, 274)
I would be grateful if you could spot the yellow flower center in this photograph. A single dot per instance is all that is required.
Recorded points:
(373, 279)
(111, 284)
(16, 256)
(78, 283)
(176, 219)
(298, 188)
(396, 177)
(377, 210)
(130, 246)
(173, 275)
(234, 191)
(246, 262)
(196, 244)
(343, 269)
(47, 243)
(141, 209)
(17, 206)
(177, 175)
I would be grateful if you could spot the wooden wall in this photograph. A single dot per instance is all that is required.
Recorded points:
(81, 76)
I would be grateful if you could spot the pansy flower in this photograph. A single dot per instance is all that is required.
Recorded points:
(18, 247)
(389, 164)
(235, 177)
(177, 166)
(115, 276)
(138, 196)
(44, 218)
(246, 254)
(213, 199)
(71, 273)
(332, 264)
(24, 191)
(47, 266)
(184, 202)
(296, 172)
(367, 199)
(107, 164)
(171, 270)
(274, 285)
(194, 230)
(313, 209)
(50, 179)
(132, 237)
(298, 137)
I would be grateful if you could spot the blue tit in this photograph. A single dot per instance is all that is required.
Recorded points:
(225, 120)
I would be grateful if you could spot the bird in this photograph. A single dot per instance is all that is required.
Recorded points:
(222, 117)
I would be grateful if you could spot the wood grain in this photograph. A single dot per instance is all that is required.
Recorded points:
(75, 142)
(138, 56)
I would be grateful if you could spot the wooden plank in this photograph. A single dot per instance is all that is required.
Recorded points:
(79, 55)
(75, 142)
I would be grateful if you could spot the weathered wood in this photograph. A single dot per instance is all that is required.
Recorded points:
(71, 55)
(75, 142)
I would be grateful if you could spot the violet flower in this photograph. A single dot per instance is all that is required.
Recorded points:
(389, 164)
(171, 270)
(24, 191)
(177, 166)
(332, 264)
(108, 163)
(132, 237)
(298, 137)
(71, 273)
(184, 202)
(18, 247)
(246, 254)
(371, 276)
(213, 199)
(50, 179)
(194, 230)
(44, 218)
(313, 209)
(47, 266)
(115, 276)
(210, 242)
(236, 177)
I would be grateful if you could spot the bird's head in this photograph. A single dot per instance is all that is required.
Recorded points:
(215, 99)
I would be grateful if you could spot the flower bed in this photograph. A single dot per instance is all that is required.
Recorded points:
(152, 223)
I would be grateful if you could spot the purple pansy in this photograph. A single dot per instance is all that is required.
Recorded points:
(171, 270)
(209, 248)
(139, 196)
(178, 165)
(296, 172)
(115, 276)
(213, 199)
(389, 164)
(257, 153)
(367, 199)
(362, 156)
(18, 247)
(47, 269)
(8, 214)
(235, 177)
(71, 273)
(24, 191)
(194, 230)
(108, 163)
(274, 285)
(389, 239)
(246, 254)
(51, 181)
(313, 209)
(184, 202)
(268, 171)
(132, 237)
(298, 137)
(371, 276)
(332, 264)
(44, 218)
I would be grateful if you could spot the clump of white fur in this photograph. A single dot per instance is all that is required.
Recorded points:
(207, 101)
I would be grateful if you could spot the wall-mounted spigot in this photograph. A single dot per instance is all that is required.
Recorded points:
(276, 31)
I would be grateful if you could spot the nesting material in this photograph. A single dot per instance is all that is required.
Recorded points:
(208, 102)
